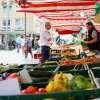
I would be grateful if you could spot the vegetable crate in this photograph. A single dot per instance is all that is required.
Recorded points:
(71, 95)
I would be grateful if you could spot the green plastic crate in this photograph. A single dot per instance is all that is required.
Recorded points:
(80, 95)
(71, 67)
(55, 58)
(79, 67)
(18, 68)
(34, 67)
(94, 65)
(21, 66)
(96, 72)
(46, 68)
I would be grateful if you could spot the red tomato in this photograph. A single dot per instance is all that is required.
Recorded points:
(13, 75)
(24, 91)
(42, 90)
(37, 92)
(31, 89)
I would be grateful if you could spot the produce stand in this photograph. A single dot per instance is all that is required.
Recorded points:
(38, 73)
(77, 95)
(42, 74)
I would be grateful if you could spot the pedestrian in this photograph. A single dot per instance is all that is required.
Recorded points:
(45, 42)
(33, 43)
(92, 37)
(13, 44)
(18, 43)
(23, 43)
(28, 46)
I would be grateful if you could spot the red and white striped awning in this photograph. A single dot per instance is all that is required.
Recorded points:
(60, 12)
(37, 6)
(68, 29)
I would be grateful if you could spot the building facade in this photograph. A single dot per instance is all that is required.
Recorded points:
(12, 22)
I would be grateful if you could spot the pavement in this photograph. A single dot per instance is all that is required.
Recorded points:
(13, 57)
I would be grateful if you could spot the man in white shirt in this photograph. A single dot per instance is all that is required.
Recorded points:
(45, 42)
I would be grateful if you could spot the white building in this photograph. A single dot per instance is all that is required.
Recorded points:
(12, 22)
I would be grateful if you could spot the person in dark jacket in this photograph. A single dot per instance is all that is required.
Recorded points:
(28, 44)
(92, 37)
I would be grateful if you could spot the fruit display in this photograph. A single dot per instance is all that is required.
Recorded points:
(33, 90)
(66, 61)
(80, 82)
(64, 82)
(60, 82)
(69, 52)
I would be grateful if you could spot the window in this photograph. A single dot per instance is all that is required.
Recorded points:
(9, 23)
(4, 24)
(19, 24)
(6, 5)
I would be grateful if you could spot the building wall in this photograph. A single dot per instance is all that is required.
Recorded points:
(13, 16)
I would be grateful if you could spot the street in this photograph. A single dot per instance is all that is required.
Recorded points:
(12, 57)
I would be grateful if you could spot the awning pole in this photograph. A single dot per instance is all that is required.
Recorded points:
(25, 24)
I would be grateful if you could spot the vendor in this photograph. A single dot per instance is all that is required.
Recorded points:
(45, 42)
(92, 37)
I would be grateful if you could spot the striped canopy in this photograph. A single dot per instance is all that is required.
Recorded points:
(37, 6)
(66, 15)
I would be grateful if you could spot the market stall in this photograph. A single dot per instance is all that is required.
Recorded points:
(71, 73)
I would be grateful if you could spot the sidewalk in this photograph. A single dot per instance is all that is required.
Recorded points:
(12, 57)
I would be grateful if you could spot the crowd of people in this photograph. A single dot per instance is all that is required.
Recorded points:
(25, 43)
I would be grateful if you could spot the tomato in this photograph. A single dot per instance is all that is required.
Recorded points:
(42, 90)
(37, 92)
(31, 89)
(13, 75)
(24, 91)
